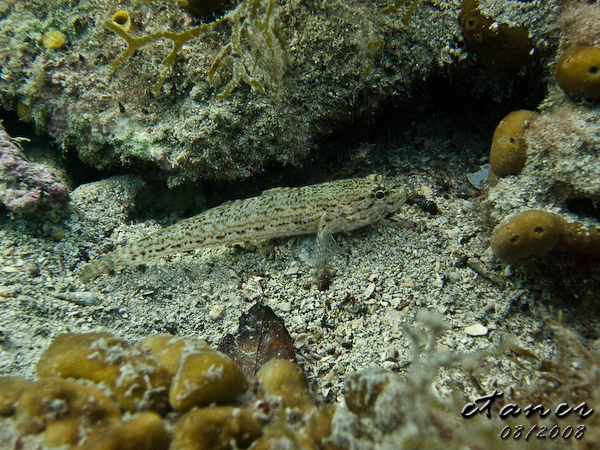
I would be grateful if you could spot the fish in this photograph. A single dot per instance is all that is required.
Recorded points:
(322, 209)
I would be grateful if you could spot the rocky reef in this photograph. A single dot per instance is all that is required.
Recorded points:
(561, 146)
(224, 98)
(545, 205)
(28, 188)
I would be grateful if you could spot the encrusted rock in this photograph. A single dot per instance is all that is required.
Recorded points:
(65, 410)
(256, 88)
(137, 381)
(28, 187)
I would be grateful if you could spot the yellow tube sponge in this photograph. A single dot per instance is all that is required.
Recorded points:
(536, 233)
(122, 20)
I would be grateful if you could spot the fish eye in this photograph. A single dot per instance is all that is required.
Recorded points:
(380, 195)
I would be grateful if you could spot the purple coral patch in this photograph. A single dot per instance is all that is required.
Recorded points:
(26, 187)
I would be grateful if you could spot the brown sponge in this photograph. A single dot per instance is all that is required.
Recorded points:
(577, 71)
(536, 233)
(509, 149)
(495, 43)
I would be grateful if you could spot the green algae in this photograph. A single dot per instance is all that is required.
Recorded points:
(411, 9)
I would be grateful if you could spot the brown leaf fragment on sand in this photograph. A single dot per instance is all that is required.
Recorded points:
(262, 335)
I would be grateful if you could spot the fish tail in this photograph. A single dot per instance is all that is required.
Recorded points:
(102, 265)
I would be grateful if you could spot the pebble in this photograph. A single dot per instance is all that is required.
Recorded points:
(369, 290)
(468, 206)
(427, 191)
(207, 287)
(476, 330)
(301, 341)
(453, 233)
(285, 306)
(9, 291)
(389, 365)
(216, 312)
(453, 277)
(292, 270)
(391, 354)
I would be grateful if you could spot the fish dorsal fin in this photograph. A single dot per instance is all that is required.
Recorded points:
(277, 190)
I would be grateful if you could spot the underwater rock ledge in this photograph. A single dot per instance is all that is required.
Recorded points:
(257, 87)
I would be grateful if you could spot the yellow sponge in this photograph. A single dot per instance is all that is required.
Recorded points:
(577, 71)
(509, 149)
(536, 233)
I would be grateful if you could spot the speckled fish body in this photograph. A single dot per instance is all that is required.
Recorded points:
(321, 209)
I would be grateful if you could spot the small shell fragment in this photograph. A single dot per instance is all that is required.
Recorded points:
(79, 298)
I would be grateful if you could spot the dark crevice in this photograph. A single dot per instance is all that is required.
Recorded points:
(42, 149)
(462, 124)
(584, 207)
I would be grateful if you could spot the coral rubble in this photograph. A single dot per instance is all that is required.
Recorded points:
(384, 410)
